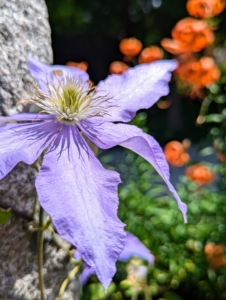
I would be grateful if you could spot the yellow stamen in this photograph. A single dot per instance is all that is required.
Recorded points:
(70, 100)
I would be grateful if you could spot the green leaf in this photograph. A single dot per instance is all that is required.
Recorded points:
(224, 112)
(214, 118)
(221, 99)
(5, 215)
(206, 151)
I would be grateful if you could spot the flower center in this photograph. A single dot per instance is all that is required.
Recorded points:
(71, 100)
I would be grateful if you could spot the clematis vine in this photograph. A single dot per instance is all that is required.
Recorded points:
(72, 185)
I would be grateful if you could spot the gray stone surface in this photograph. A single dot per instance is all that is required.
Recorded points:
(24, 31)
(18, 256)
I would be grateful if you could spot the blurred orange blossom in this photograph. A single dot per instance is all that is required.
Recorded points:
(200, 174)
(130, 46)
(221, 156)
(215, 255)
(175, 154)
(150, 54)
(188, 35)
(205, 8)
(220, 153)
(83, 65)
(199, 73)
(118, 67)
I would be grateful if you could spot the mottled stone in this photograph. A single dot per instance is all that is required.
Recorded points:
(24, 31)
(18, 257)
(17, 190)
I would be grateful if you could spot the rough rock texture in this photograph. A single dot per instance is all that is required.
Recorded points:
(24, 31)
(18, 257)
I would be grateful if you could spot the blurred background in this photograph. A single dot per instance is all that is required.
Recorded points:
(189, 123)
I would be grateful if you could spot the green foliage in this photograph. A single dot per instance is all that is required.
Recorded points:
(181, 270)
(5, 215)
(213, 111)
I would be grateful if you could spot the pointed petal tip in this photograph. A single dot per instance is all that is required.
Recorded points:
(104, 280)
(184, 212)
(32, 60)
(181, 205)
(106, 284)
(175, 64)
(183, 208)
(34, 63)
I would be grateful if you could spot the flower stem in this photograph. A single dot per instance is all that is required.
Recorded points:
(135, 296)
(65, 283)
(34, 206)
(147, 296)
(58, 244)
(40, 253)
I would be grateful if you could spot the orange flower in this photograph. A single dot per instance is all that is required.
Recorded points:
(205, 8)
(150, 54)
(173, 46)
(215, 255)
(220, 151)
(118, 67)
(130, 46)
(199, 73)
(175, 154)
(200, 174)
(83, 65)
(164, 104)
(221, 156)
(209, 249)
(218, 262)
(189, 35)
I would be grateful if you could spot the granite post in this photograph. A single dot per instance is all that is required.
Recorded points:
(25, 31)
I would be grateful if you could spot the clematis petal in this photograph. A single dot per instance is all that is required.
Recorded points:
(137, 88)
(24, 142)
(85, 275)
(26, 117)
(107, 135)
(44, 73)
(133, 247)
(81, 198)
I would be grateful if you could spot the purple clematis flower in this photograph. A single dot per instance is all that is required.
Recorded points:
(72, 185)
(133, 247)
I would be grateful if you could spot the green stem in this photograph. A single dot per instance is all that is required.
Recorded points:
(135, 296)
(59, 245)
(34, 206)
(47, 223)
(40, 253)
(147, 295)
(65, 283)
